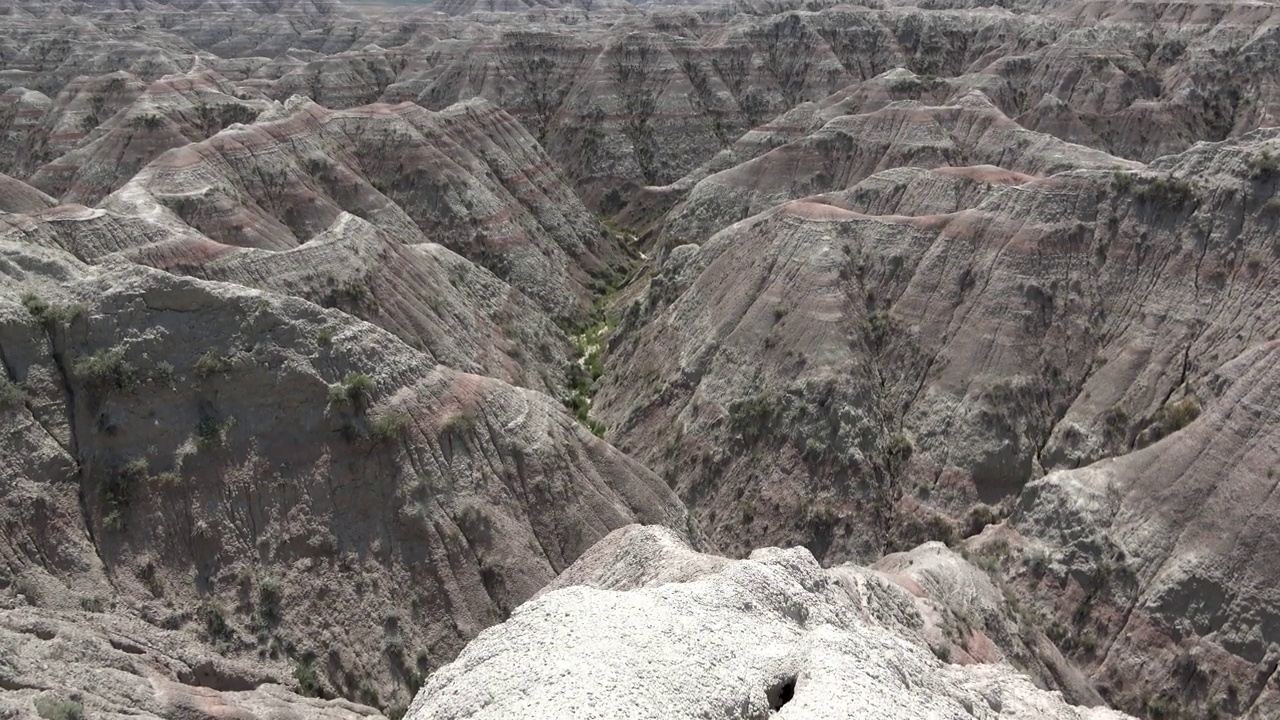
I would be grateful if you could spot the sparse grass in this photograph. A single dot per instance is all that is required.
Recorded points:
(1122, 180)
(1254, 262)
(105, 370)
(462, 422)
(51, 707)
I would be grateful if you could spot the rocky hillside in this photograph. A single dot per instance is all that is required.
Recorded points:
(643, 626)
(358, 353)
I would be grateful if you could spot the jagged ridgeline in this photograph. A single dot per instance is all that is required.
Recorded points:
(474, 359)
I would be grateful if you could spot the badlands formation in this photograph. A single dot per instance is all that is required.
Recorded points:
(582, 358)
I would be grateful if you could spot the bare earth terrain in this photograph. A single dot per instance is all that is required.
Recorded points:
(541, 359)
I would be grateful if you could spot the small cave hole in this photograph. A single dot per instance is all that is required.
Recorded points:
(781, 693)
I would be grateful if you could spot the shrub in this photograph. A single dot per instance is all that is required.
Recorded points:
(211, 434)
(269, 601)
(50, 316)
(29, 590)
(325, 337)
(163, 372)
(51, 707)
(1264, 165)
(388, 426)
(304, 671)
(94, 604)
(105, 370)
(147, 121)
(1164, 707)
(215, 622)
(1173, 417)
(117, 490)
(1122, 180)
(1037, 561)
(356, 388)
(1168, 191)
(11, 394)
(211, 363)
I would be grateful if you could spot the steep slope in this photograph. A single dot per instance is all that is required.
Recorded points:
(1161, 563)
(820, 375)
(264, 474)
(469, 178)
(19, 197)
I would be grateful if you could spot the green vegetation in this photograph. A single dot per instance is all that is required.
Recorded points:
(355, 389)
(1122, 180)
(11, 394)
(462, 422)
(753, 417)
(210, 433)
(147, 121)
(585, 371)
(28, 589)
(1167, 191)
(50, 316)
(1264, 165)
(324, 338)
(387, 426)
(214, 619)
(269, 608)
(211, 363)
(51, 707)
(1173, 417)
(1164, 707)
(105, 370)
(304, 671)
(118, 488)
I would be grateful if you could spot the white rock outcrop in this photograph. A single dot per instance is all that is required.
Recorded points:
(656, 630)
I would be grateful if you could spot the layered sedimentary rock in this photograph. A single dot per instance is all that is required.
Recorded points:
(213, 459)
